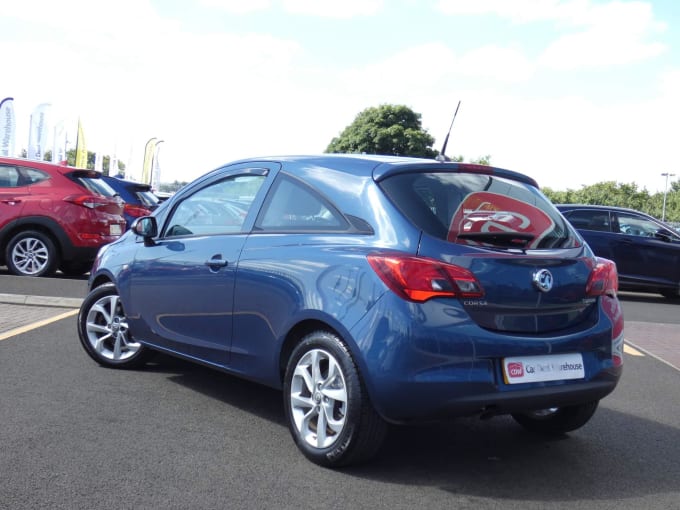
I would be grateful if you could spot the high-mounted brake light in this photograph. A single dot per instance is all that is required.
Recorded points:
(604, 279)
(419, 278)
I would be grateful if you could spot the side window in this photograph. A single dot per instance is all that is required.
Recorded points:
(590, 219)
(9, 176)
(220, 208)
(292, 205)
(31, 176)
(633, 225)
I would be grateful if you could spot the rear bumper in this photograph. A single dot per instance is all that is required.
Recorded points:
(444, 365)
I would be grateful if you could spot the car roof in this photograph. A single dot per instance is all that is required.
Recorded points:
(599, 207)
(382, 166)
(125, 182)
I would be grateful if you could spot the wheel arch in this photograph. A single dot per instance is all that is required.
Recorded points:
(41, 224)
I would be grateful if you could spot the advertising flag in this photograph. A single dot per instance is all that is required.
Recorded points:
(81, 150)
(156, 168)
(38, 131)
(149, 151)
(59, 144)
(7, 127)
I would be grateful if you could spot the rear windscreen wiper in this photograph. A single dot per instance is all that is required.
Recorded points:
(509, 239)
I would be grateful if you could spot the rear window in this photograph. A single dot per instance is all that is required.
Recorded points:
(148, 199)
(479, 210)
(91, 181)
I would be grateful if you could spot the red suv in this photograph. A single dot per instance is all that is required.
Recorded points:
(54, 216)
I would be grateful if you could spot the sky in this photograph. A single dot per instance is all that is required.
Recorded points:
(570, 92)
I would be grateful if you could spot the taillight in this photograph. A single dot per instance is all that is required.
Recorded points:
(604, 279)
(136, 211)
(89, 201)
(419, 278)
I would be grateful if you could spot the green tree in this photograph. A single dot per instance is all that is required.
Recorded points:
(394, 130)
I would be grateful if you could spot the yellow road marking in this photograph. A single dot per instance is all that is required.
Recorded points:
(631, 350)
(35, 325)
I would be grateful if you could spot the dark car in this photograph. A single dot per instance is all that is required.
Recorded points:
(371, 290)
(645, 250)
(139, 199)
(54, 216)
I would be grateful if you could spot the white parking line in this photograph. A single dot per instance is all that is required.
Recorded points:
(35, 325)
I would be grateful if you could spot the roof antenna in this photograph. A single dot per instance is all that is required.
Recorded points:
(442, 155)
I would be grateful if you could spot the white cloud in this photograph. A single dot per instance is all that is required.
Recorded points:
(598, 34)
(238, 6)
(333, 8)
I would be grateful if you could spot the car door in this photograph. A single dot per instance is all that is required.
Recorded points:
(643, 256)
(14, 191)
(595, 225)
(183, 284)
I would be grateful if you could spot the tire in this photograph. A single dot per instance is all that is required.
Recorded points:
(322, 385)
(31, 253)
(75, 268)
(558, 420)
(103, 330)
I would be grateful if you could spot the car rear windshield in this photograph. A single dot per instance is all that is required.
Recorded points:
(147, 198)
(479, 210)
(91, 181)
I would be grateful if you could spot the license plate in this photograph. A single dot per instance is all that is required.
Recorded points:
(553, 367)
(115, 230)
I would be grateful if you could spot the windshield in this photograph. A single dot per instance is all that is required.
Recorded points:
(480, 210)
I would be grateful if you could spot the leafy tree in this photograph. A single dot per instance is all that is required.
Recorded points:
(394, 130)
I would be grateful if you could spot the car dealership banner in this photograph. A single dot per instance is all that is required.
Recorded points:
(38, 131)
(59, 144)
(81, 149)
(7, 127)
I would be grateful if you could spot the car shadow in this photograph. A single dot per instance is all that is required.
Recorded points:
(617, 455)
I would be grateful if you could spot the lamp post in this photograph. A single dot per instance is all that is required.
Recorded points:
(665, 192)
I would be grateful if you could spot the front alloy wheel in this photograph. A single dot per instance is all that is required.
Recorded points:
(103, 330)
(329, 413)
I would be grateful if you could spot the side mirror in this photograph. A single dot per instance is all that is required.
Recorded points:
(664, 235)
(146, 227)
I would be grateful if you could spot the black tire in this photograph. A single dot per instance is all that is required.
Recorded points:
(103, 330)
(75, 268)
(31, 253)
(353, 431)
(558, 420)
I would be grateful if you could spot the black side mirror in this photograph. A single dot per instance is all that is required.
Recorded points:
(664, 235)
(146, 227)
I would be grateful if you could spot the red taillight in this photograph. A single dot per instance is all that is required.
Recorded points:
(89, 201)
(419, 279)
(604, 279)
(136, 211)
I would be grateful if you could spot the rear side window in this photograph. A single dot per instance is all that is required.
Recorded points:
(12, 177)
(91, 181)
(590, 219)
(479, 210)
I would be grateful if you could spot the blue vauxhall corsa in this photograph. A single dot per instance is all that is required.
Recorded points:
(371, 290)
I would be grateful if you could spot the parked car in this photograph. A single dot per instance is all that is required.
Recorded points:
(54, 216)
(139, 199)
(371, 290)
(645, 250)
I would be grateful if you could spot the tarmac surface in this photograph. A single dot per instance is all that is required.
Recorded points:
(48, 301)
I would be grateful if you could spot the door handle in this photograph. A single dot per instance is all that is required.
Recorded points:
(216, 263)
(10, 201)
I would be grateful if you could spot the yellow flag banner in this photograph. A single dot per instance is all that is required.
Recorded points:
(81, 150)
(148, 158)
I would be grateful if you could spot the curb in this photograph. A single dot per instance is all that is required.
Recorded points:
(58, 302)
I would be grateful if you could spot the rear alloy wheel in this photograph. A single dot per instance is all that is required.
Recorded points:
(31, 253)
(329, 414)
(557, 420)
(103, 330)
